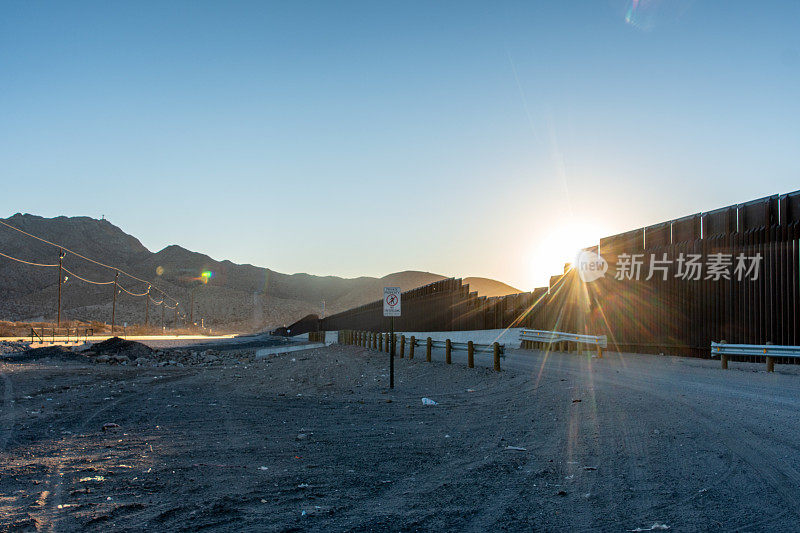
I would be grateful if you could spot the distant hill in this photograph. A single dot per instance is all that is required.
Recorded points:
(237, 297)
(490, 287)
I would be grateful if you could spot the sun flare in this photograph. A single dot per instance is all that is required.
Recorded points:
(561, 245)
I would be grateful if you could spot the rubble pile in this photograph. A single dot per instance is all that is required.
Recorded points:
(8, 347)
(122, 352)
(117, 351)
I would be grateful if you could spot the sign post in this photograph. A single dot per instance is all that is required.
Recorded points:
(391, 308)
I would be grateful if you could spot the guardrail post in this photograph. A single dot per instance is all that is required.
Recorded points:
(428, 350)
(374, 340)
(402, 346)
(724, 359)
(380, 342)
(470, 355)
(393, 345)
(411, 347)
(770, 364)
(448, 348)
(599, 352)
(496, 352)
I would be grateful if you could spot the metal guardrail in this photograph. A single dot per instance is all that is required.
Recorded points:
(770, 351)
(531, 336)
(561, 336)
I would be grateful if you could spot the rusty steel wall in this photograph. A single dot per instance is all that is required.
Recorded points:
(673, 316)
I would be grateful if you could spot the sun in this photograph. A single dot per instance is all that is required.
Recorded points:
(560, 245)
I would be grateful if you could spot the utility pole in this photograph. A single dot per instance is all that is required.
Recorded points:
(60, 281)
(114, 305)
(147, 307)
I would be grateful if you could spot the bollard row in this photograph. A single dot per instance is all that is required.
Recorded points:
(382, 342)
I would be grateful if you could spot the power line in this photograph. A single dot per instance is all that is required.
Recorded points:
(78, 255)
(129, 292)
(87, 280)
(26, 262)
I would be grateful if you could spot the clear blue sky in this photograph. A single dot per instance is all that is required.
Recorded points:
(365, 138)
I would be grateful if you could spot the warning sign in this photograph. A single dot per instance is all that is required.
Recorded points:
(391, 301)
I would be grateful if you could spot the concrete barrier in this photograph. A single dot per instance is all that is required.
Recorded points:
(264, 353)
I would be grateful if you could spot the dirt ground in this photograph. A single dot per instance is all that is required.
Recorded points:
(314, 440)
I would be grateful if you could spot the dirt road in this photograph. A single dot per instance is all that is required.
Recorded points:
(314, 441)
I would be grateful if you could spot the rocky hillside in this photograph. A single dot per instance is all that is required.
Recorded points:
(238, 297)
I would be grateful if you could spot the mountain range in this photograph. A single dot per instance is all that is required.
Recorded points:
(237, 297)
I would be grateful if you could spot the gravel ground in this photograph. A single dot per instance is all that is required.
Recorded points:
(314, 440)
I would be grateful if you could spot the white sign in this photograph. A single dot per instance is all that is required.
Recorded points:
(391, 301)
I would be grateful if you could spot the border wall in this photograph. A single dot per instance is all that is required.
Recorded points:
(674, 316)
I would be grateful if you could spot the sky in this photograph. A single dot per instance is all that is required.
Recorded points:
(363, 138)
